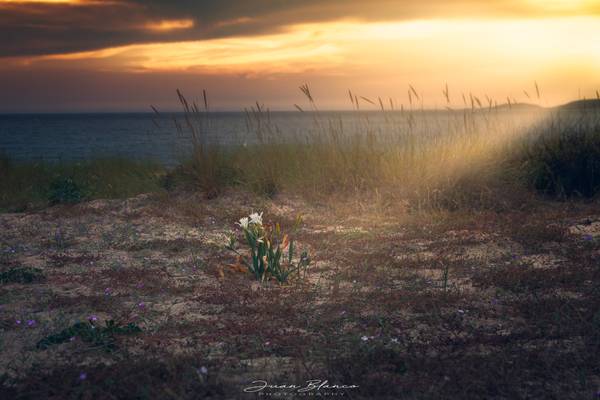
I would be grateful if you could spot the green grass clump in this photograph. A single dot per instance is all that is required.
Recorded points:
(21, 275)
(209, 169)
(64, 190)
(27, 185)
(565, 161)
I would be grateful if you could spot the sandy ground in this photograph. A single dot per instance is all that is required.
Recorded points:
(403, 305)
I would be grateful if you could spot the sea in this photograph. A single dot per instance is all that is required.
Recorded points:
(167, 138)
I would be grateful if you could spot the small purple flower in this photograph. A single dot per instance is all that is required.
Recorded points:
(93, 318)
(203, 370)
(107, 291)
(82, 376)
(139, 285)
(588, 237)
(18, 322)
(72, 339)
(31, 322)
(141, 304)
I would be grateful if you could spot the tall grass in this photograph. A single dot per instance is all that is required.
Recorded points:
(208, 168)
(473, 154)
(563, 159)
(469, 156)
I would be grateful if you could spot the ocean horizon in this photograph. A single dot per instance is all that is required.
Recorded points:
(68, 137)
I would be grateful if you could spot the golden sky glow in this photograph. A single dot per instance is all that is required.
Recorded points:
(566, 5)
(43, 1)
(169, 25)
(499, 56)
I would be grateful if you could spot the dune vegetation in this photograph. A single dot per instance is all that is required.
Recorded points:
(464, 156)
(414, 254)
(34, 185)
(457, 158)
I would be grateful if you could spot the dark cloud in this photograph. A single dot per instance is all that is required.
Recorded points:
(50, 28)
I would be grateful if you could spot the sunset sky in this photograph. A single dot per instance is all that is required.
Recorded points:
(123, 55)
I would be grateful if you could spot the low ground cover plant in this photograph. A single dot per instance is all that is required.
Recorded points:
(90, 332)
(21, 275)
(64, 190)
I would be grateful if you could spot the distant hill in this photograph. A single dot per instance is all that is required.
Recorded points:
(574, 105)
(518, 106)
(582, 105)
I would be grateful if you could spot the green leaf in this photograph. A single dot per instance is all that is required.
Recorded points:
(291, 251)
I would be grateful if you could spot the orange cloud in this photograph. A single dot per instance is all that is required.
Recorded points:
(35, 27)
(491, 57)
(495, 54)
(33, 2)
(170, 25)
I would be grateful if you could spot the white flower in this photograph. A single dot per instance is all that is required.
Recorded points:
(256, 218)
(244, 222)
